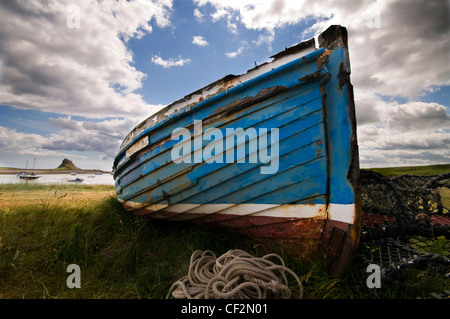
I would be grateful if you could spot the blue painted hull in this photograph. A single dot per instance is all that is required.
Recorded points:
(271, 153)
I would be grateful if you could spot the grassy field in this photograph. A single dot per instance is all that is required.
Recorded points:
(413, 170)
(45, 228)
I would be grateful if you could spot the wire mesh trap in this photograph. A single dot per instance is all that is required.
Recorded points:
(405, 230)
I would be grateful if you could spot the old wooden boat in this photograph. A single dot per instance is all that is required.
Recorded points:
(271, 153)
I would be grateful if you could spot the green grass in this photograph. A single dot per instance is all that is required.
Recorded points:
(126, 256)
(120, 255)
(413, 170)
(24, 187)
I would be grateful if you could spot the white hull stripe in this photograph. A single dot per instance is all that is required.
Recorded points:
(338, 212)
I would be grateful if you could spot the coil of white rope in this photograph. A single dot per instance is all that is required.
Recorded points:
(235, 275)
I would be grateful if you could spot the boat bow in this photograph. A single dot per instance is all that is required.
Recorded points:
(271, 153)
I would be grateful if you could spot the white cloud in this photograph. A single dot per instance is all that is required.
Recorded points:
(169, 63)
(198, 15)
(200, 41)
(235, 53)
(400, 57)
(391, 158)
(411, 133)
(266, 39)
(103, 137)
(21, 141)
(53, 64)
(27, 145)
(415, 116)
(219, 14)
(232, 27)
(397, 49)
(391, 140)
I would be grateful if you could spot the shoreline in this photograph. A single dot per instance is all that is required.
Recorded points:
(15, 171)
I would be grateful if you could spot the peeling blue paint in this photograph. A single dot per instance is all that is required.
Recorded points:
(312, 148)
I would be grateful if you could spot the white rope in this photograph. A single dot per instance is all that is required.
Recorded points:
(234, 275)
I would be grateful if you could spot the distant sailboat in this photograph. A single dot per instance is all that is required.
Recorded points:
(28, 176)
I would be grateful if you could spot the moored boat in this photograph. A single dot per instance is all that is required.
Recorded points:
(28, 176)
(271, 153)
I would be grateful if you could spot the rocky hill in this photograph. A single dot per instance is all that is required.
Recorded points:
(67, 164)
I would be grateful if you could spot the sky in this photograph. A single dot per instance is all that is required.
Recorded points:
(77, 76)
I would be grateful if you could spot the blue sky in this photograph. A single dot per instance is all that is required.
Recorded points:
(76, 77)
(206, 63)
